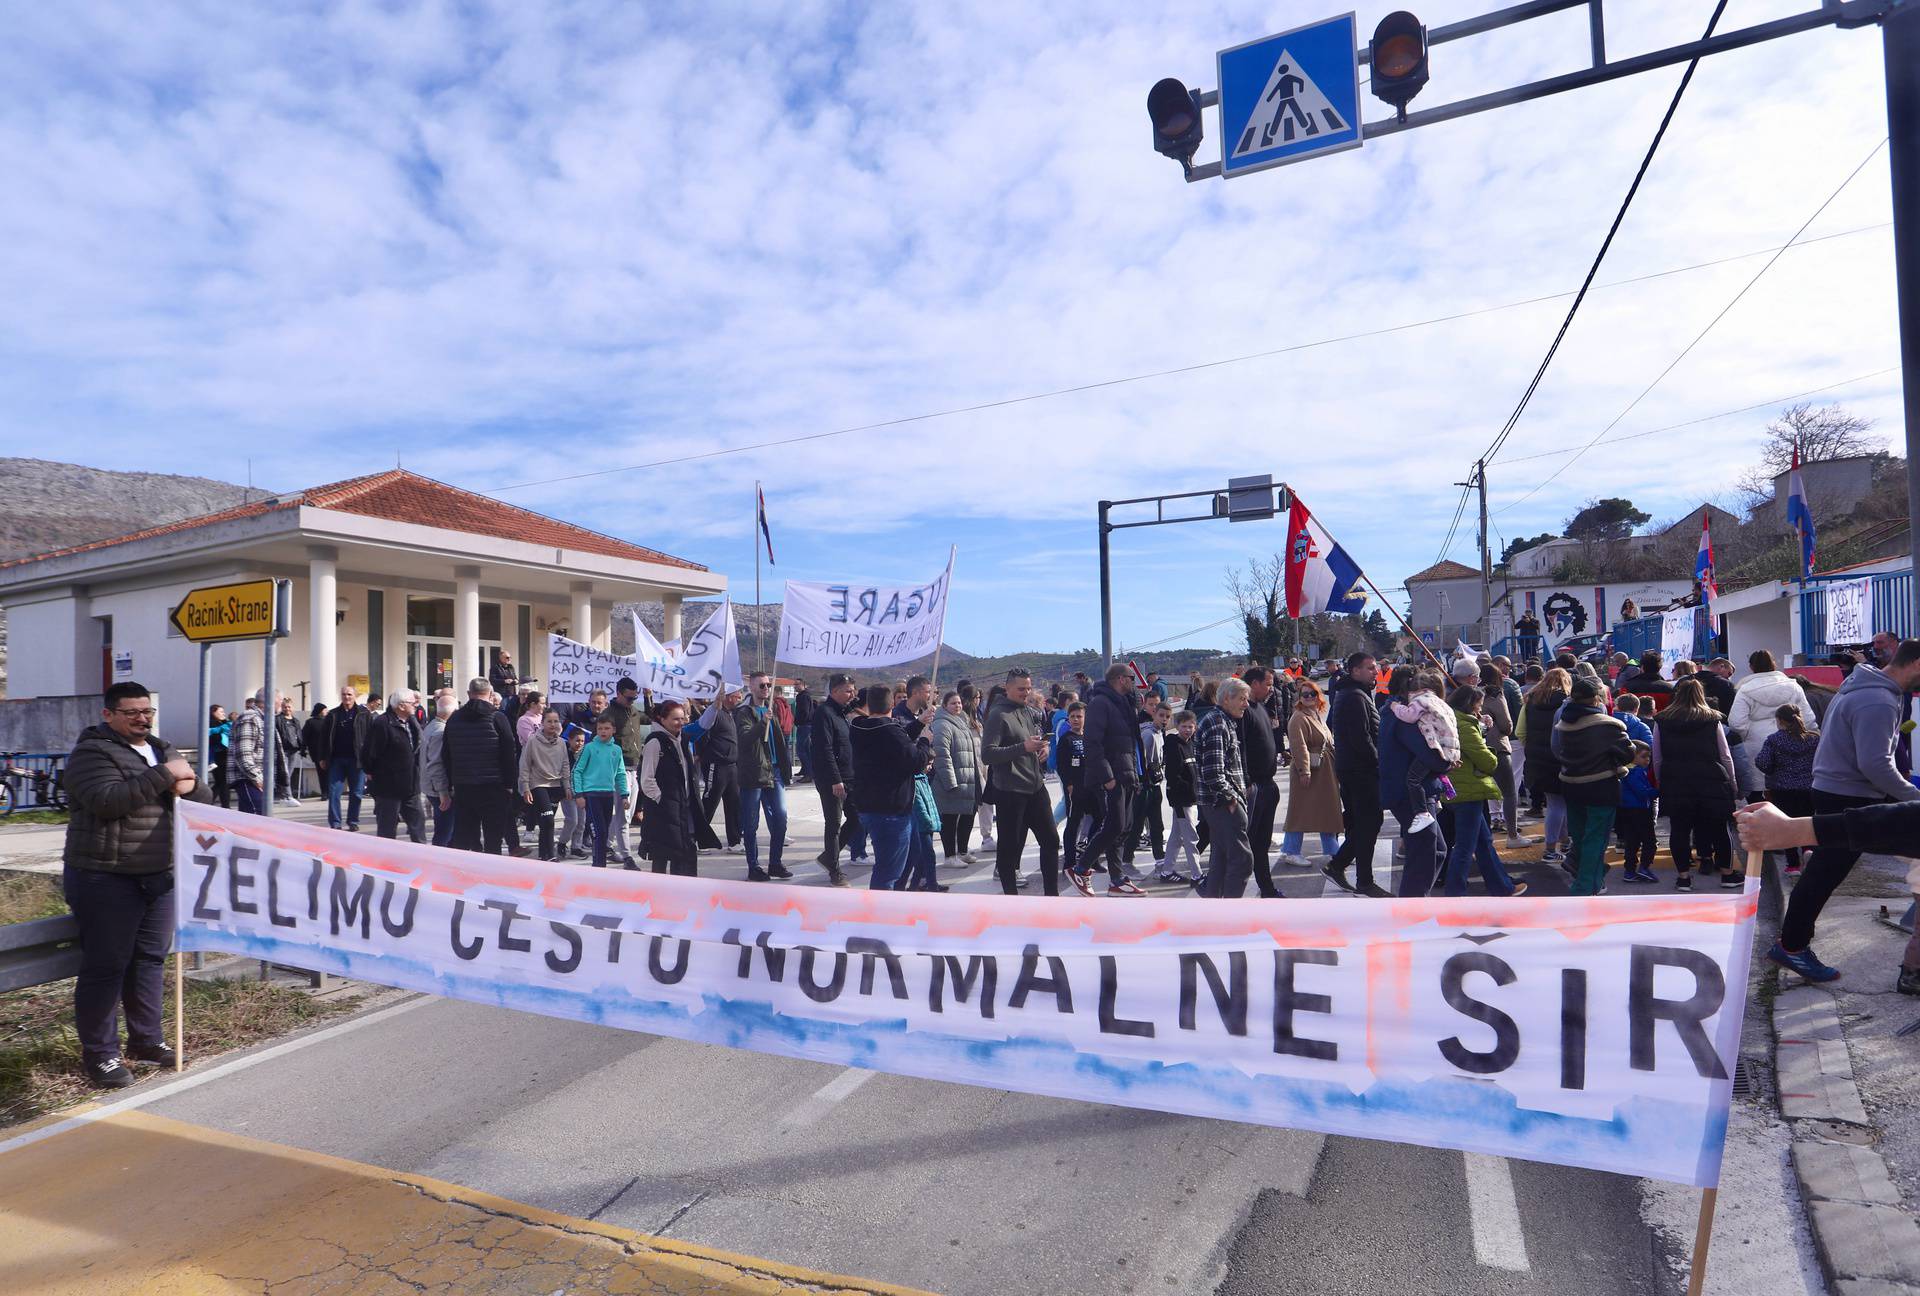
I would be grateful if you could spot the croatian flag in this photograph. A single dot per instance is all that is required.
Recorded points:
(1703, 569)
(1799, 516)
(768, 535)
(1320, 575)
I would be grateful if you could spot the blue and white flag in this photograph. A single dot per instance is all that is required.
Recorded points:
(1800, 516)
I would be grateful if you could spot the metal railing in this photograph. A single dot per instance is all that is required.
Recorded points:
(31, 781)
(1892, 595)
(36, 953)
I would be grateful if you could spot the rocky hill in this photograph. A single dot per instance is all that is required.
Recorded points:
(53, 505)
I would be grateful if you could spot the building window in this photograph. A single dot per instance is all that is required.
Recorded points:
(431, 617)
(490, 622)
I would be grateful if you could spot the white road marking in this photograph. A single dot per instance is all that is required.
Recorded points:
(814, 1108)
(1499, 1242)
(194, 1079)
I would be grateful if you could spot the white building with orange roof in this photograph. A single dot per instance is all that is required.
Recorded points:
(399, 581)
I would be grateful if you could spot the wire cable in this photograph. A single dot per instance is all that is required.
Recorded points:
(1619, 218)
(1701, 335)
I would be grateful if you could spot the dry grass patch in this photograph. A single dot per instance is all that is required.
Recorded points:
(27, 896)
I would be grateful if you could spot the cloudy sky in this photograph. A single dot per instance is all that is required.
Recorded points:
(506, 244)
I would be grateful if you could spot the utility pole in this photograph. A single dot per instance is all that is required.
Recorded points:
(1900, 38)
(1486, 562)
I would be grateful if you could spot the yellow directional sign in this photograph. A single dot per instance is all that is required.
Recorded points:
(214, 613)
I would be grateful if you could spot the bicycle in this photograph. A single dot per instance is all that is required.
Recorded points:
(30, 788)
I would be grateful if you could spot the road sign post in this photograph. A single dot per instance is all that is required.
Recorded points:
(240, 610)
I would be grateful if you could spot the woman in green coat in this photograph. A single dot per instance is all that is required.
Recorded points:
(1474, 787)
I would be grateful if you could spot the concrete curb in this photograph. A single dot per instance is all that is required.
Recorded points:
(1867, 1240)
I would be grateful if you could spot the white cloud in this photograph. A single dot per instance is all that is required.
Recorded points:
(516, 242)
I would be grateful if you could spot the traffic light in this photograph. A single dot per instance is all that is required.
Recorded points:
(1398, 56)
(1178, 127)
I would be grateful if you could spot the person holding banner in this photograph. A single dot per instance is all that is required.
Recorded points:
(670, 785)
(1014, 749)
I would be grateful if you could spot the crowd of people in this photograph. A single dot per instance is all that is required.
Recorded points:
(1593, 753)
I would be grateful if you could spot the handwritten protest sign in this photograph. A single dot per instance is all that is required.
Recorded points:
(862, 625)
(709, 659)
(1587, 1031)
(1850, 611)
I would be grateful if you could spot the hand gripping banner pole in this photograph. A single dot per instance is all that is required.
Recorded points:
(1710, 1197)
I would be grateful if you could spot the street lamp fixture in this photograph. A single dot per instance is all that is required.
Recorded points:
(1398, 55)
(1178, 126)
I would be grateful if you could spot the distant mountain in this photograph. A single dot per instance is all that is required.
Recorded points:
(54, 505)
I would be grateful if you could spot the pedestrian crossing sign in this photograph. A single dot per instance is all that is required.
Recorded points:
(1290, 96)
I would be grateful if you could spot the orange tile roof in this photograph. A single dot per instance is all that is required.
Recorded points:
(401, 496)
(1446, 569)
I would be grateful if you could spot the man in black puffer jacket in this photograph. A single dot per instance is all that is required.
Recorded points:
(887, 754)
(1112, 776)
(719, 756)
(483, 767)
(831, 762)
(121, 783)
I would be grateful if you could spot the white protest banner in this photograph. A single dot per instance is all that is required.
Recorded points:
(1676, 637)
(862, 625)
(1850, 611)
(575, 670)
(711, 657)
(1588, 1031)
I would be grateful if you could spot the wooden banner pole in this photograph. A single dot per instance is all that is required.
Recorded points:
(1709, 1197)
(179, 1010)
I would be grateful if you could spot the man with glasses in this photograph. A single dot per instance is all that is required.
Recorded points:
(121, 783)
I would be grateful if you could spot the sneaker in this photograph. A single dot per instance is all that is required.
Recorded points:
(159, 1054)
(1517, 840)
(967, 858)
(1803, 962)
(1520, 889)
(109, 1073)
(1296, 861)
(1792, 870)
(1024, 881)
(1553, 857)
(1338, 876)
(780, 871)
(1173, 877)
(1124, 887)
(836, 878)
(1421, 822)
(1637, 876)
(1374, 891)
(1082, 880)
(1909, 982)
(758, 875)
(1683, 882)
(933, 886)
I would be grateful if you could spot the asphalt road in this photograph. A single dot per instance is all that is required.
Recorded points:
(959, 1190)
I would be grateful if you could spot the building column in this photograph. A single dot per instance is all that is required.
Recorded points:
(602, 613)
(581, 622)
(670, 629)
(323, 591)
(393, 638)
(466, 628)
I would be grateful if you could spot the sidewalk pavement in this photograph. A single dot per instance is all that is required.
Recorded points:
(139, 1203)
(1849, 1089)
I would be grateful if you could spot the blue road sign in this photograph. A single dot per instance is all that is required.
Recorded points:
(1291, 96)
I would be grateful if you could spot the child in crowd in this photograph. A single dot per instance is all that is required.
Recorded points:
(1423, 708)
(573, 838)
(1786, 760)
(599, 781)
(1637, 813)
(1070, 757)
(1181, 771)
(1626, 709)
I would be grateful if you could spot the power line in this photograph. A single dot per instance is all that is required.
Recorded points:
(1619, 217)
(1291, 348)
(1134, 648)
(1701, 335)
(1707, 418)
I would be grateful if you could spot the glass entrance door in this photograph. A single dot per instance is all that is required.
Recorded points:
(429, 666)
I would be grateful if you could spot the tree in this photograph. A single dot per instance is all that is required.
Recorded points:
(1607, 519)
(1380, 636)
(1260, 594)
(1525, 543)
(1820, 431)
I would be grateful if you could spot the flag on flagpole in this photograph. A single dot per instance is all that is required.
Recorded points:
(1800, 516)
(1320, 575)
(764, 532)
(1703, 568)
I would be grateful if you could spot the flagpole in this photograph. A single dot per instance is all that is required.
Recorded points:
(939, 640)
(753, 533)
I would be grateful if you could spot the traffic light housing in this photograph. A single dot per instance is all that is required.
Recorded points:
(1178, 126)
(1398, 58)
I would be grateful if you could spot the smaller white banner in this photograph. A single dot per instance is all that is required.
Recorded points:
(708, 660)
(1676, 637)
(1850, 612)
(856, 625)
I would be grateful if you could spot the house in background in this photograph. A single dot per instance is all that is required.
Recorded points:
(398, 581)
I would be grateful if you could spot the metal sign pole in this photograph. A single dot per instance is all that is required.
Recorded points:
(206, 735)
(270, 746)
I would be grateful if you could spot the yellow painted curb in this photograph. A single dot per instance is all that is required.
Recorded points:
(137, 1203)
